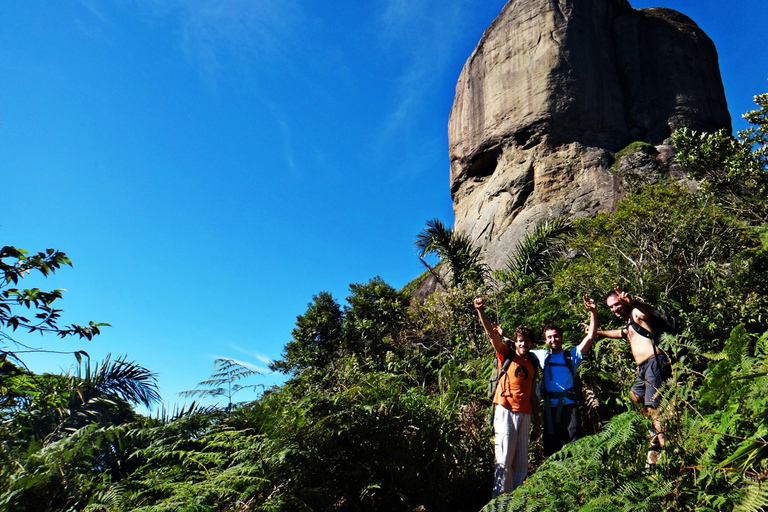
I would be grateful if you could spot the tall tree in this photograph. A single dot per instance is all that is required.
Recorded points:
(374, 317)
(317, 337)
(732, 170)
(223, 381)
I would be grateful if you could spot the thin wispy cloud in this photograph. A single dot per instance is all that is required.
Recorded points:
(239, 30)
(262, 370)
(94, 7)
(424, 34)
(264, 359)
(285, 131)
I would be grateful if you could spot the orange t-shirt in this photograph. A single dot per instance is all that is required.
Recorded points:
(516, 385)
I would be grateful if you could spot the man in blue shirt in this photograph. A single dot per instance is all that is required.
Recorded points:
(560, 387)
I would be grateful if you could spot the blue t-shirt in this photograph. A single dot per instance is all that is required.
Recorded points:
(558, 378)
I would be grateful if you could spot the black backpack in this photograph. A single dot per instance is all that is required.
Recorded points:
(661, 323)
(496, 374)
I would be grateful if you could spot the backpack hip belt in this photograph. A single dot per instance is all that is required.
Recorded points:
(560, 396)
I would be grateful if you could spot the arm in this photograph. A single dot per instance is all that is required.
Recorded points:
(586, 343)
(643, 313)
(496, 340)
(535, 419)
(613, 333)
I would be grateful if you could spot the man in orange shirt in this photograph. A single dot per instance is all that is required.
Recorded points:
(516, 405)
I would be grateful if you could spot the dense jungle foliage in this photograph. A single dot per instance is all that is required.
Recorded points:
(385, 407)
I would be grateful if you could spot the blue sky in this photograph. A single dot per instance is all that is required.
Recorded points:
(210, 166)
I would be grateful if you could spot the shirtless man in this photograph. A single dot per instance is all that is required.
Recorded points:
(652, 362)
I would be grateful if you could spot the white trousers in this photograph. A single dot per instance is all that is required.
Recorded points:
(510, 434)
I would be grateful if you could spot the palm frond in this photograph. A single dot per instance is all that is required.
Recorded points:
(126, 379)
(541, 247)
(454, 248)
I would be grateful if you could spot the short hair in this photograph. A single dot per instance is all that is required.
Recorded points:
(525, 332)
(553, 327)
(612, 292)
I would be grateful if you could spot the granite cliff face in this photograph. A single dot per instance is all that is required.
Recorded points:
(552, 91)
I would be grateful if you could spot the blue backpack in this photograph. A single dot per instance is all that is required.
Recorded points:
(573, 393)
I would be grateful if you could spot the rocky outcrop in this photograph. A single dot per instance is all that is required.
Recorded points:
(553, 90)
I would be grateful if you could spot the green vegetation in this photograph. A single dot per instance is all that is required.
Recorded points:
(637, 146)
(384, 408)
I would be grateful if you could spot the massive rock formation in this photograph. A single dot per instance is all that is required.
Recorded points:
(552, 91)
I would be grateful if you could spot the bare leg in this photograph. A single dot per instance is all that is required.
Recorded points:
(658, 439)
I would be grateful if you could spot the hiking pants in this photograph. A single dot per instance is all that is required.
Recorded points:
(561, 432)
(510, 434)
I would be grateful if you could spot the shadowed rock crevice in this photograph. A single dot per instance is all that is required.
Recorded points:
(484, 163)
(552, 91)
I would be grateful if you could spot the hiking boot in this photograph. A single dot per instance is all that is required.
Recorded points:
(655, 444)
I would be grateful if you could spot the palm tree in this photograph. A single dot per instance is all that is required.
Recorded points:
(124, 379)
(455, 249)
(48, 405)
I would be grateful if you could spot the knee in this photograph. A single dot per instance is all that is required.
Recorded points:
(636, 398)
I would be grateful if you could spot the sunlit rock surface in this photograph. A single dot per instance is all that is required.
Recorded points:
(552, 91)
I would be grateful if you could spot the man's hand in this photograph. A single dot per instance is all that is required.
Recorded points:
(589, 303)
(536, 432)
(622, 295)
(479, 303)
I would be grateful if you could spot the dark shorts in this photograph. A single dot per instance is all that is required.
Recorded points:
(651, 374)
(561, 432)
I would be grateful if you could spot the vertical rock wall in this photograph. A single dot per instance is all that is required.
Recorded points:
(552, 91)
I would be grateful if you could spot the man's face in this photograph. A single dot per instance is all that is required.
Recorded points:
(554, 340)
(617, 306)
(523, 344)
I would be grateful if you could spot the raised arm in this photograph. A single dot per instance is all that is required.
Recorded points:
(586, 343)
(641, 312)
(496, 340)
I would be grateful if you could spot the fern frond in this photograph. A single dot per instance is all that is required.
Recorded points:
(754, 498)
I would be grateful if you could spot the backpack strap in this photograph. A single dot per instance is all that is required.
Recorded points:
(639, 329)
(642, 331)
(535, 362)
(561, 395)
(568, 364)
(508, 360)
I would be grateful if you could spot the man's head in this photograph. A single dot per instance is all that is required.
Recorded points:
(523, 340)
(553, 336)
(618, 306)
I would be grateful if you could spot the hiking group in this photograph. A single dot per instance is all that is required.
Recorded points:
(516, 395)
